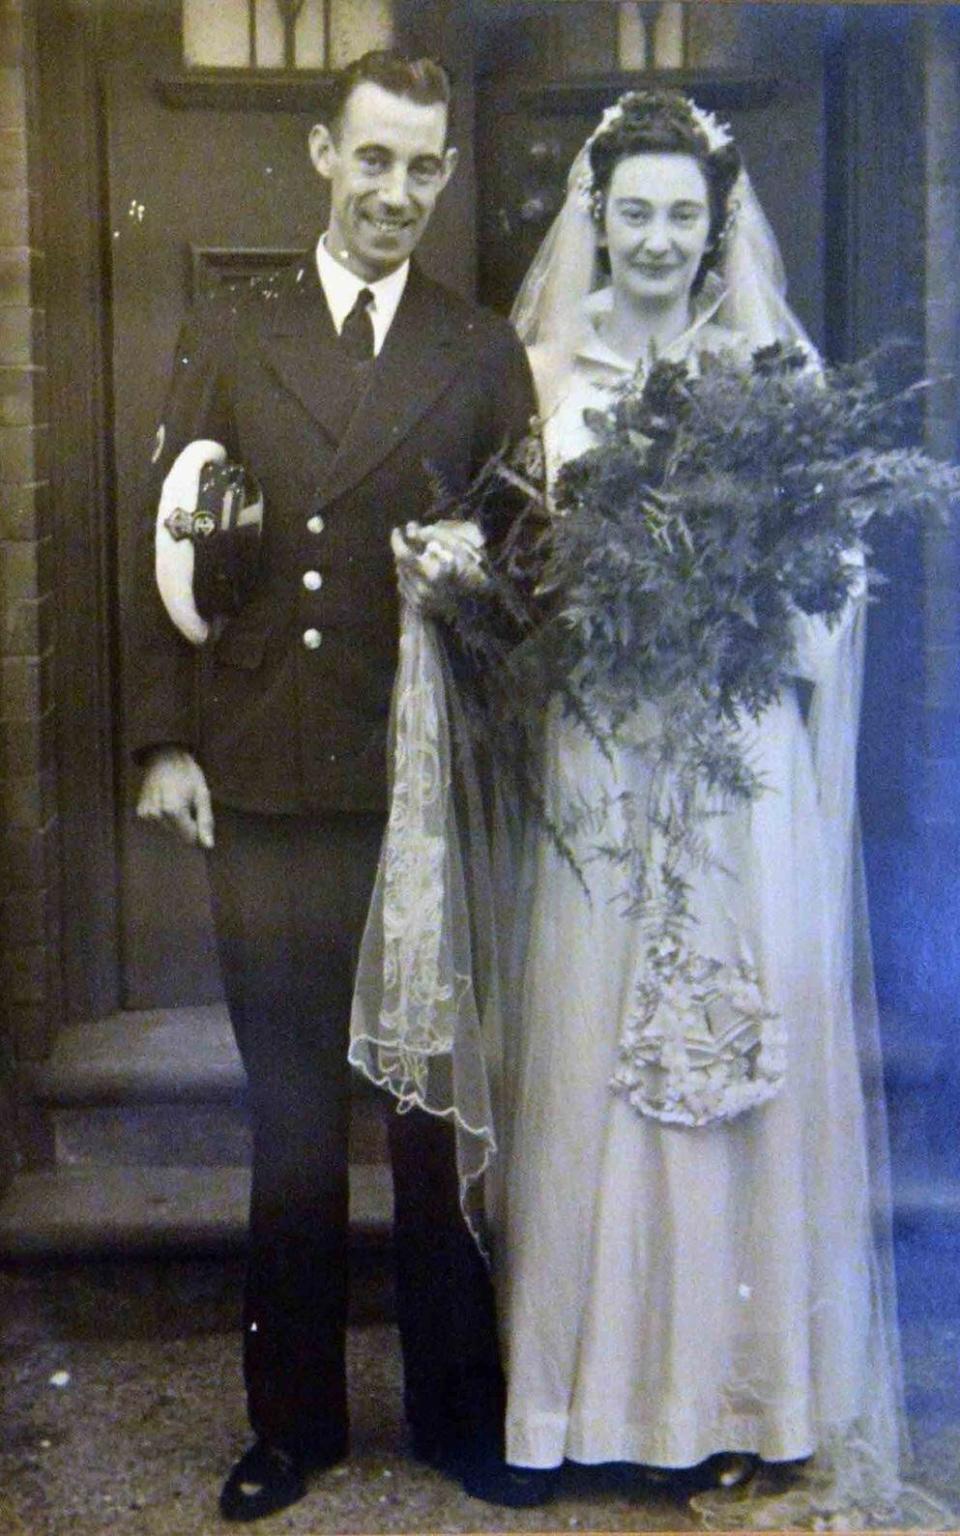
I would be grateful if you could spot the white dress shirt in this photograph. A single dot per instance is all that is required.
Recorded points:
(341, 286)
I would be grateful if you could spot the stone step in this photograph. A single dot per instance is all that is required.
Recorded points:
(177, 1055)
(161, 1056)
(85, 1212)
(185, 1135)
(151, 1135)
(147, 1112)
(163, 1088)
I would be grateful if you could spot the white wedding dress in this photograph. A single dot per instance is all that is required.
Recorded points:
(670, 1291)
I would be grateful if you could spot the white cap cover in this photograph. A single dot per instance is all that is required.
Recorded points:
(175, 558)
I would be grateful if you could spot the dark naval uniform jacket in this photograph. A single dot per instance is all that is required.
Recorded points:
(287, 710)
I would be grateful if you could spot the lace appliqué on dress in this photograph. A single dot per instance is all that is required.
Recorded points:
(699, 1044)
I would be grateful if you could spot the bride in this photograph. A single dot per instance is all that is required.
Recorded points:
(708, 1284)
(711, 1283)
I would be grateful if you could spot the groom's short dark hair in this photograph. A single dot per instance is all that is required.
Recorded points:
(424, 81)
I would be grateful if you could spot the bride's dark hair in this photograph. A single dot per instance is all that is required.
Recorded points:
(662, 122)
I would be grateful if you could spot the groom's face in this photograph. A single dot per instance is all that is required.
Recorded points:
(387, 164)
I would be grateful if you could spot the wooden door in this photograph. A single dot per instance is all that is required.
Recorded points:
(188, 189)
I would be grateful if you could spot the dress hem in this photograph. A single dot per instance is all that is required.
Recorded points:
(553, 1440)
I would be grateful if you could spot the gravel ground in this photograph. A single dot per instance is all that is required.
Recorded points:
(121, 1410)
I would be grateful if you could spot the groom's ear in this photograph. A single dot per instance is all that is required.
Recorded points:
(450, 158)
(322, 147)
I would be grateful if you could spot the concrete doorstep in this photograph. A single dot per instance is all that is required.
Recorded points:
(125, 1211)
(146, 1116)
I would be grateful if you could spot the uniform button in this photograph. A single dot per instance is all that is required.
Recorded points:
(315, 523)
(312, 580)
(312, 638)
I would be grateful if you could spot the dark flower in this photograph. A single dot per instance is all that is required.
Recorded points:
(779, 358)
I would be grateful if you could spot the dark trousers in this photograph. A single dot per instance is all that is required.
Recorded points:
(290, 895)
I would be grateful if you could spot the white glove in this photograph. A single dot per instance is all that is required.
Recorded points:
(174, 792)
(427, 554)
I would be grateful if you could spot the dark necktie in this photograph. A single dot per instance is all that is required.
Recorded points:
(357, 333)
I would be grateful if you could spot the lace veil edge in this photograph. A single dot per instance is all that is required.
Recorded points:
(426, 1019)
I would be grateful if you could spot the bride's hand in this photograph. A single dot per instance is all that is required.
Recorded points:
(426, 555)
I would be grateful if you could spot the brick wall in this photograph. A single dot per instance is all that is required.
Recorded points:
(29, 939)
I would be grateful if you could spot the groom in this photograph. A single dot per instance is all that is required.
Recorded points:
(346, 391)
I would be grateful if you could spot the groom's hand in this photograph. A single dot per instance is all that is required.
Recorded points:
(175, 794)
(449, 550)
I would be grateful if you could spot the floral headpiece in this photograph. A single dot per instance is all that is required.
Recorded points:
(717, 134)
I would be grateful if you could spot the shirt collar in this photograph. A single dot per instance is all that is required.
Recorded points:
(591, 347)
(341, 286)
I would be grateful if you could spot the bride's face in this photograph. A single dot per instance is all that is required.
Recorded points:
(656, 225)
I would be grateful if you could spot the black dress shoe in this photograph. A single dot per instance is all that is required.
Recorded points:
(483, 1474)
(488, 1477)
(264, 1480)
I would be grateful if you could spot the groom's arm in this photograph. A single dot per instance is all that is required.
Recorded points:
(162, 724)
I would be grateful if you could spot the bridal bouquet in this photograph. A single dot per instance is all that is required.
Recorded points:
(715, 506)
(671, 559)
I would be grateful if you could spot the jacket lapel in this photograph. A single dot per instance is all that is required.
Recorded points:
(423, 351)
(299, 333)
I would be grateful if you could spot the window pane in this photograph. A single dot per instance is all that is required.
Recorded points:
(358, 25)
(269, 35)
(216, 33)
(311, 41)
